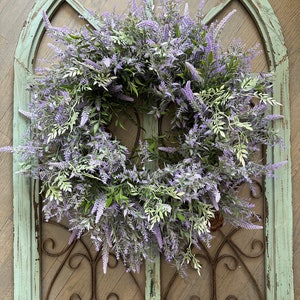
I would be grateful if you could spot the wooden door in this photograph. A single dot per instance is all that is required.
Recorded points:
(232, 268)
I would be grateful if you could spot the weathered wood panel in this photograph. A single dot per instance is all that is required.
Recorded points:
(12, 17)
(288, 13)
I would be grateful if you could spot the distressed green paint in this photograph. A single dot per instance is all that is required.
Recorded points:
(279, 222)
(279, 227)
(152, 268)
(27, 285)
(152, 289)
(215, 11)
(279, 272)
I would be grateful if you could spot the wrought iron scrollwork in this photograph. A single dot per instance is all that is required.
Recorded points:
(232, 262)
(75, 297)
(73, 258)
(228, 252)
(112, 296)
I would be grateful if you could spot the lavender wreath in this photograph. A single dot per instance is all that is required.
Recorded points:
(177, 67)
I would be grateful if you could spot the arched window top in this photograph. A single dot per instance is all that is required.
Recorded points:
(268, 25)
(279, 220)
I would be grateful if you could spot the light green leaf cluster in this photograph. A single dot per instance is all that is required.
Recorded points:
(72, 72)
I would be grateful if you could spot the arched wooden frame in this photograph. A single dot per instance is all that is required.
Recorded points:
(279, 224)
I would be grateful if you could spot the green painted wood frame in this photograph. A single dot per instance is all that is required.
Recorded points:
(279, 224)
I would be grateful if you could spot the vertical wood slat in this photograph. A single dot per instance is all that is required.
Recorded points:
(279, 222)
(27, 285)
(279, 229)
(26, 256)
(153, 286)
(152, 289)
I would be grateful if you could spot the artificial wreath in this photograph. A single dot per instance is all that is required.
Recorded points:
(161, 63)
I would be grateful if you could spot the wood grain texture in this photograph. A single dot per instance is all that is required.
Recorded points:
(12, 17)
(288, 13)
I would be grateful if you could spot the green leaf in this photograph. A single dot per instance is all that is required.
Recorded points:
(73, 119)
(181, 217)
(87, 206)
(109, 201)
(73, 36)
(95, 128)
(177, 31)
(210, 57)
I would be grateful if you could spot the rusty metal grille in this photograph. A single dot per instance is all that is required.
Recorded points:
(232, 268)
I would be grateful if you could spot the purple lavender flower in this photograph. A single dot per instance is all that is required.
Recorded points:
(167, 149)
(157, 233)
(148, 24)
(125, 97)
(193, 71)
(92, 64)
(215, 197)
(46, 20)
(7, 149)
(106, 61)
(223, 22)
(166, 32)
(187, 91)
(85, 115)
(99, 207)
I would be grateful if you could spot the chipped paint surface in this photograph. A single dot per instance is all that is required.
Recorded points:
(279, 222)
(27, 283)
(152, 288)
